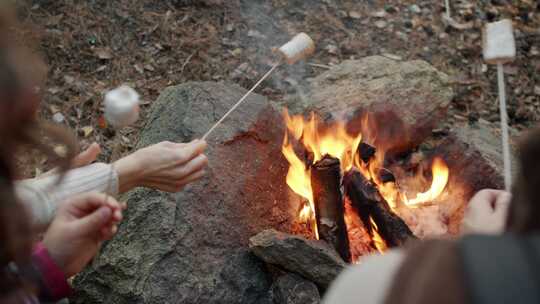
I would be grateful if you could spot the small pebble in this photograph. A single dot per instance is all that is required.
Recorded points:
(355, 15)
(58, 118)
(380, 24)
(415, 9)
(379, 14)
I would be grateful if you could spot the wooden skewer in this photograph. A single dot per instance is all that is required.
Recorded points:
(240, 101)
(504, 128)
(296, 49)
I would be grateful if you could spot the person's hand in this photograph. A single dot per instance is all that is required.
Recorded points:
(87, 156)
(165, 166)
(79, 228)
(486, 212)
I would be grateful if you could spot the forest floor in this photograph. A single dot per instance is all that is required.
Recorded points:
(93, 46)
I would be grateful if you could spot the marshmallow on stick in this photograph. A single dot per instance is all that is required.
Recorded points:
(499, 43)
(122, 107)
(298, 48)
(500, 48)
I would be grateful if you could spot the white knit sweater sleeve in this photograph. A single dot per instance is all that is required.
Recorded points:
(42, 196)
(368, 282)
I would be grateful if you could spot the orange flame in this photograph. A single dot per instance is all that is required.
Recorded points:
(380, 244)
(334, 140)
(440, 175)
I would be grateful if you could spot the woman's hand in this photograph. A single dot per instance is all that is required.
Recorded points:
(165, 166)
(486, 212)
(87, 156)
(79, 228)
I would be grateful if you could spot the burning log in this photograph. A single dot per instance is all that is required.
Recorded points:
(329, 205)
(370, 205)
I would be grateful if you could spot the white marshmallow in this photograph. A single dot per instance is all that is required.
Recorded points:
(121, 106)
(499, 43)
(297, 48)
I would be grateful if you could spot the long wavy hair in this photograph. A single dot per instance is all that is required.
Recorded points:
(20, 128)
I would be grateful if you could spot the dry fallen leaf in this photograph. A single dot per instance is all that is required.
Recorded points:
(102, 122)
(54, 109)
(355, 15)
(61, 151)
(103, 53)
(87, 130)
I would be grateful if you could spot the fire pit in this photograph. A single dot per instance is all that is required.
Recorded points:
(369, 174)
(367, 215)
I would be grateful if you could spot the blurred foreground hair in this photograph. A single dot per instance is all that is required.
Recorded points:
(524, 213)
(19, 128)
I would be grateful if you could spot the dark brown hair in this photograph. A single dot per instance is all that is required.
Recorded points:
(19, 128)
(524, 213)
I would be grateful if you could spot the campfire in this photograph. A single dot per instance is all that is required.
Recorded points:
(351, 199)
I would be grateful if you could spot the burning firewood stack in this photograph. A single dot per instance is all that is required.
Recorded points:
(348, 188)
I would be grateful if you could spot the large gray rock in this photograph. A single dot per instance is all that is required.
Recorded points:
(405, 99)
(192, 247)
(293, 289)
(314, 260)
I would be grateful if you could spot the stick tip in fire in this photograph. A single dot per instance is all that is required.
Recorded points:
(121, 106)
(298, 48)
(499, 44)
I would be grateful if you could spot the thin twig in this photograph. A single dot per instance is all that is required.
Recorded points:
(187, 62)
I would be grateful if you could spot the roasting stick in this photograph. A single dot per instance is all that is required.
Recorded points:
(240, 101)
(121, 110)
(500, 48)
(300, 47)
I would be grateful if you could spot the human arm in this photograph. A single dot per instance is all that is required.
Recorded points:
(43, 196)
(165, 166)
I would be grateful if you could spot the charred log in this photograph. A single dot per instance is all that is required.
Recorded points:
(367, 152)
(329, 205)
(386, 176)
(369, 204)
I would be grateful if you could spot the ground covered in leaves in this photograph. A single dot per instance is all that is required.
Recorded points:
(93, 46)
